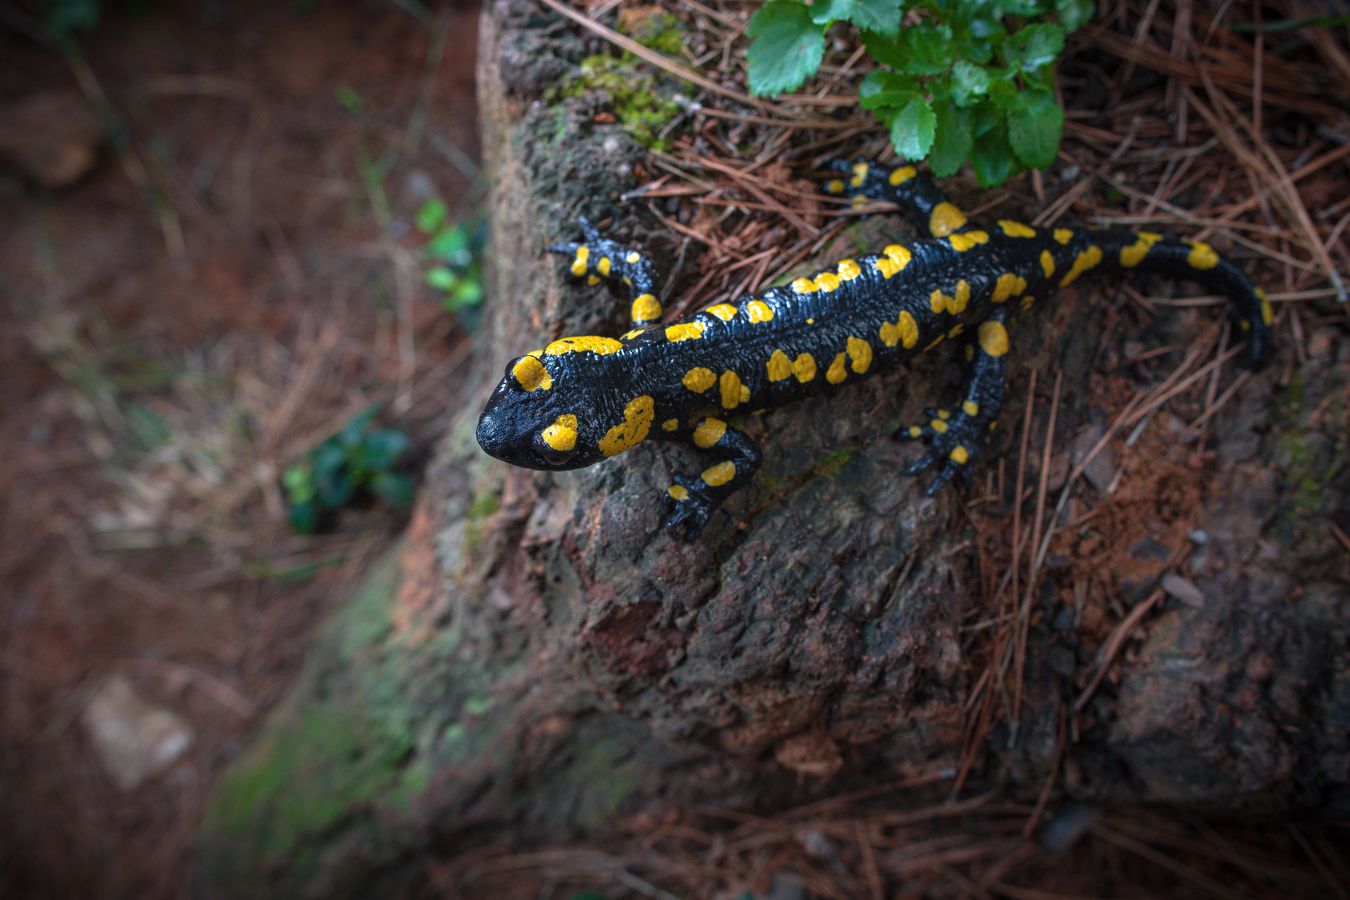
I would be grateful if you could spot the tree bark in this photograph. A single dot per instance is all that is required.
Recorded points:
(538, 658)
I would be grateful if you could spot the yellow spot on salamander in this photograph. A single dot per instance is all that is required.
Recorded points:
(646, 308)
(678, 492)
(1133, 254)
(848, 269)
(629, 335)
(859, 354)
(945, 219)
(804, 367)
(956, 329)
(530, 373)
(944, 414)
(637, 421)
(1028, 301)
(670, 424)
(886, 266)
(938, 425)
(937, 340)
(834, 186)
(778, 366)
(590, 343)
(960, 455)
(993, 338)
(758, 311)
(827, 281)
(1008, 285)
(898, 255)
(915, 431)
(1063, 235)
(562, 434)
(901, 175)
(963, 241)
(858, 202)
(720, 474)
(723, 311)
(684, 331)
(699, 379)
(905, 331)
(1267, 311)
(733, 392)
(835, 373)
(632, 257)
(1047, 263)
(1088, 259)
(709, 432)
(954, 304)
(804, 286)
(970, 408)
(604, 266)
(592, 280)
(579, 264)
(1202, 256)
(1013, 228)
(859, 175)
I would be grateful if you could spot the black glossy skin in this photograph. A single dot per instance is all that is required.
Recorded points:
(613, 394)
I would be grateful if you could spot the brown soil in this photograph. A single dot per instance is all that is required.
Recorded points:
(224, 288)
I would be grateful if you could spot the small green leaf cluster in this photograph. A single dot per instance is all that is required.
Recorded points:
(964, 80)
(641, 104)
(453, 252)
(360, 460)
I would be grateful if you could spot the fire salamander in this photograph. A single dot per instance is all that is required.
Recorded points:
(581, 400)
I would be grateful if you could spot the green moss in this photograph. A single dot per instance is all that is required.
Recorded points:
(485, 504)
(833, 461)
(661, 32)
(638, 104)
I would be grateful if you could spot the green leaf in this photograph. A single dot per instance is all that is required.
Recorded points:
(431, 215)
(303, 517)
(883, 88)
(299, 483)
(992, 159)
(392, 488)
(912, 129)
(1074, 14)
(786, 47)
(952, 141)
(884, 49)
(969, 82)
(383, 447)
(927, 49)
(469, 292)
(881, 16)
(1035, 129)
(452, 245)
(441, 278)
(1033, 47)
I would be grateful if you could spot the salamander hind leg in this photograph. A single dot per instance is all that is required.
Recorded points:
(694, 498)
(956, 437)
(598, 259)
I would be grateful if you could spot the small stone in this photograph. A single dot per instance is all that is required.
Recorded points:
(1183, 589)
(51, 136)
(135, 739)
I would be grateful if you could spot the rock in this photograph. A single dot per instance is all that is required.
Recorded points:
(135, 739)
(51, 136)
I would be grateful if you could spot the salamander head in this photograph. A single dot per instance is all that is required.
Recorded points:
(552, 410)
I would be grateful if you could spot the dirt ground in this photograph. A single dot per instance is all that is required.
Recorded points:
(232, 280)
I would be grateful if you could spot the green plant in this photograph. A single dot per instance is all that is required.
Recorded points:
(964, 80)
(361, 459)
(453, 251)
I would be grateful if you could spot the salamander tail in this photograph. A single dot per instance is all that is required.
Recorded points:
(1147, 251)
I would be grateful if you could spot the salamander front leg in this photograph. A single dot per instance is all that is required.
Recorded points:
(695, 498)
(907, 187)
(956, 437)
(599, 259)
